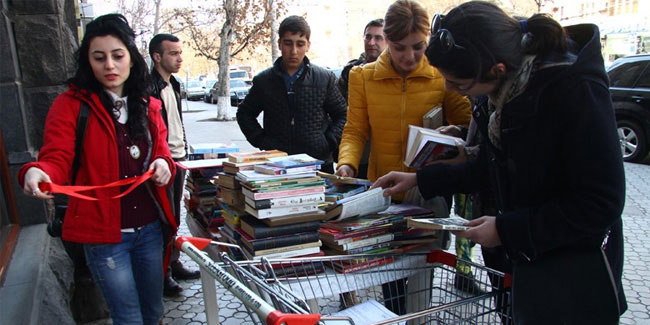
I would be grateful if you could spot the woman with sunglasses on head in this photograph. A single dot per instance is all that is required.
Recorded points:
(549, 157)
(124, 137)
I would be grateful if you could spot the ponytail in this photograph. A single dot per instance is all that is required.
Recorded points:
(544, 35)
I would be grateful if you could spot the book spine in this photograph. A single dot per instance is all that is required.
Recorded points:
(366, 248)
(287, 201)
(264, 232)
(286, 193)
(422, 156)
(287, 254)
(273, 242)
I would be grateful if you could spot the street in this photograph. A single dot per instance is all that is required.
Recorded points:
(201, 126)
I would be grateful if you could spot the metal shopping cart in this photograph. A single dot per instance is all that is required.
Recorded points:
(352, 289)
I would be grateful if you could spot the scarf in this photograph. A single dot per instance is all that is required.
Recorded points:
(512, 87)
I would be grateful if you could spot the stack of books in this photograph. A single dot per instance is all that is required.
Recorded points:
(376, 234)
(282, 187)
(201, 203)
(230, 229)
(258, 239)
(229, 186)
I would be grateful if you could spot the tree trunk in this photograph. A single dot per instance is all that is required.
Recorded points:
(156, 19)
(223, 104)
(275, 52)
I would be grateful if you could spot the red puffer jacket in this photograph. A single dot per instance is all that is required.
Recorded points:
(92, 221)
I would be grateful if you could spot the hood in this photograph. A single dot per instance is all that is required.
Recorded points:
(584, 50)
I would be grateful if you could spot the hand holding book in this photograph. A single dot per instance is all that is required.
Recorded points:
(396, 182)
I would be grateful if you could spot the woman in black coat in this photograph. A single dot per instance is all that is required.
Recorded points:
(550, 158)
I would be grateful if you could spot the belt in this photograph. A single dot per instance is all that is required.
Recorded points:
(131, 229)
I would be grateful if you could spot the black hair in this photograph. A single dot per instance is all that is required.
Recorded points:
(379, 22)
(489, 36)
(135, 87)
(295, 25)
(155, 45)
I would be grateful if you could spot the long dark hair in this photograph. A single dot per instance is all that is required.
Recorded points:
(135, 87)
(488, 36)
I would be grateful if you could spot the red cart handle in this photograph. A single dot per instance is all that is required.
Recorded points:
(277, 318)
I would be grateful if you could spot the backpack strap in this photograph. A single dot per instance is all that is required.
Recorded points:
(82, 122)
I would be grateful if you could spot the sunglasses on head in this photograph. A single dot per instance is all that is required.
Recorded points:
(442, 37)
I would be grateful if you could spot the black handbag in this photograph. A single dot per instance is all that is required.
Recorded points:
(57, 207)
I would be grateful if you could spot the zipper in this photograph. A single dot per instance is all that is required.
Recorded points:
(401, 126)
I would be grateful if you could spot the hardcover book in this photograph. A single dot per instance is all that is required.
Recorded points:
(433, 119)
(274, 170)
(277, 241)
(286, 201)
(283, 193)
(293, 161)
(318, 215)
(257, 229)
(345, 180)
(362, 204)
(285, 254)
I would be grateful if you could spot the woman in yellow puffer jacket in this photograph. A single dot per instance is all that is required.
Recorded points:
(396, 90)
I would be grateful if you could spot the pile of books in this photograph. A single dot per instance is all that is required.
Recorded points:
(201, 201)
(230, 231)
(375, 234)
(283, 186)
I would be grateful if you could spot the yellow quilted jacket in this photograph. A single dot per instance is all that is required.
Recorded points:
(382, 104)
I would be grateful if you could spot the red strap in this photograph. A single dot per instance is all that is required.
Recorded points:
(74, 190)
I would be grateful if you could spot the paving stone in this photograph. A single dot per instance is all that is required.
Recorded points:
(189, 315)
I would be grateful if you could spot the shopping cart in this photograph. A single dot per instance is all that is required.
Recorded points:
(339, 289)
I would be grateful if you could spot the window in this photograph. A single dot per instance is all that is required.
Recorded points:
(644, 81)
(625, 74)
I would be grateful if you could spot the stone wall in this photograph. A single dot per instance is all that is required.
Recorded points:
(41, 36)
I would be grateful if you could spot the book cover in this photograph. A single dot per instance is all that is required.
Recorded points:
(293, 161)
(200, 164)
(242, 157)
(257, 229)
(274, 170)
(378, 239)
(280, 211)
(283, 193)
(359, 223)
(277, 241)
(451, 223)
(362, 266)
(318, 215)
(251, 176)
(363, 204)
(286, 201)
(283, 187)
(358, 250)
(281, 182)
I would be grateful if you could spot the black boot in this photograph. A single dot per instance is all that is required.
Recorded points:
(466, 283)
(171, 288)
(179, 272)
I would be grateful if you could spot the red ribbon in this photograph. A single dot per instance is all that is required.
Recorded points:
(73, 190)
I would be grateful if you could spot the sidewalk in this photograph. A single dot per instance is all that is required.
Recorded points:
(188, 308)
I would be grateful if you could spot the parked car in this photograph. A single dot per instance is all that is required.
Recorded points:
(207, 94)
(195, 90)
(238, 91)
(629, 79)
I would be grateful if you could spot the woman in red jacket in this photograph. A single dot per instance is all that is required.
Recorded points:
(125, 137)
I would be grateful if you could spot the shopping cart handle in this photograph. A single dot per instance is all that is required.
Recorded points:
(276, 318)
(200, 243)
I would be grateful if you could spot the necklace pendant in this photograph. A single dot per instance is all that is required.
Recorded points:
(134, 150)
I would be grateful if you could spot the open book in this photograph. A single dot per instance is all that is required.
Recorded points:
(433, 118)
(426, 145)
(362, 204)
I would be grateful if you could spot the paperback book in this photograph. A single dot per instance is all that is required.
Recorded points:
(425, 146)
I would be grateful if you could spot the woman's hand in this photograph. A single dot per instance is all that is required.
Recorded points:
(345, 171)
(396, 182)
(453, 130)
(484, 232)
(161, 174)
(33, 177)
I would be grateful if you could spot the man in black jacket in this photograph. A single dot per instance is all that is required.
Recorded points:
(304, 111)
(166, 54)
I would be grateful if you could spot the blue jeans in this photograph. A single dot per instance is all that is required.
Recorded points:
(130, 275)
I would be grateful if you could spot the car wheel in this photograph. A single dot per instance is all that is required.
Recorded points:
(632, 138)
